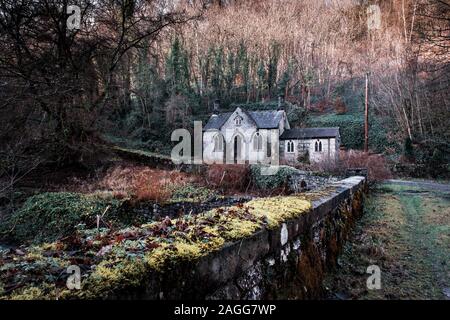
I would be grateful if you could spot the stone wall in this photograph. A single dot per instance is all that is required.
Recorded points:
(307, 180)
(287, 262)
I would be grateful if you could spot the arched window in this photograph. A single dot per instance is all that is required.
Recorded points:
(257, 142)
(218, 143)
(290, 146)
(238, 120)
(318, 146)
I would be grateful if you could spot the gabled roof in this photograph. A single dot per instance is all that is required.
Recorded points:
(267, 119)
(263, 119)
(217, 120)
(310, 133)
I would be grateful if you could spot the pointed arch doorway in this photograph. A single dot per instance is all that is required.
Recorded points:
(237, 149)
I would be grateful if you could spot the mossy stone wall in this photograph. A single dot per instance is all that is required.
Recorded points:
(289, 261)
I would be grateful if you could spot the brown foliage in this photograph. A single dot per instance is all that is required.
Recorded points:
(148, 189)
(311, 271)
(339, 106)
(376, 165)
(320, 106)
(141, 183)
(231, 177)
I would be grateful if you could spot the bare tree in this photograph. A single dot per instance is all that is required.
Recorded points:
(62, 79)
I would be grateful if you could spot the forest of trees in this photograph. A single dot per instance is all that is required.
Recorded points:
(136, 69)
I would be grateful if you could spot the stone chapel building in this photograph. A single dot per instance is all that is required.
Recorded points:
(252, 136)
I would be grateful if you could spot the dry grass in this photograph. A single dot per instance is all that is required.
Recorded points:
(144, 183)
(376, 165)
(233, 177)
(140, 183)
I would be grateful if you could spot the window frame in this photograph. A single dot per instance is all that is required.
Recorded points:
(257, 142)
(218, 141)
(290, 146)
(318, 146)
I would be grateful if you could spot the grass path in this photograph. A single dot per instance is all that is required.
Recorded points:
(406, 232)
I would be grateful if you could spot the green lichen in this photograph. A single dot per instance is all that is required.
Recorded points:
(192, 193)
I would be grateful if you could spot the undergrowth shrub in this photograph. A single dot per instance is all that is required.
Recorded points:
(230, 177)
(377, 167)
(149, 188)
(376, 164)
(143, 183)
(49, 216)
(269, 182)
(193, 192)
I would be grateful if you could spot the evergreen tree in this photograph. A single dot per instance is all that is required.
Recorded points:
(185, 82)
(408, 149)
(285, 78)
(147, 98)
(261, 80)
(230, 72)
(243, 67)
(177, 69)
(273, 67)
(217, 73)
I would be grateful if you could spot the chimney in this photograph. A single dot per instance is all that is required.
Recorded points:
(216, 106)
(280, 102)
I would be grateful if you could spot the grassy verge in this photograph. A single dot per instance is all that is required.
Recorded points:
(405, 231)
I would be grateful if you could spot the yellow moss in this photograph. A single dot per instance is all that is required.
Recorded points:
(212, 244)
(279, 209)
(184, 249)
(50, 246)
(157, 258)
(187, 250)
(106, 273)
(107, 277)
(237, 228)
(31, 293)
(215, 241)
(181, 250)
(33, 256)
(126, 272)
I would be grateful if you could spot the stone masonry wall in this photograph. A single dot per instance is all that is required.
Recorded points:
(288, 262)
